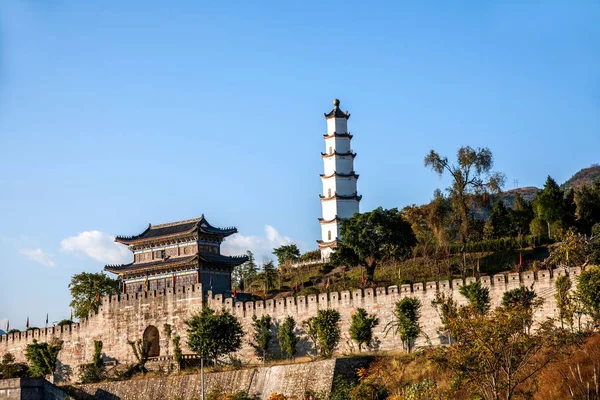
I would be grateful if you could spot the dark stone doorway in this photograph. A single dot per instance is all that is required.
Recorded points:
(151, 336)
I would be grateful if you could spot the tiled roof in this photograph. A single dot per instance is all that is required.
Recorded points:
(175, 262)
(177, 228)
(336, 112)
(160, 264)
(221, 259)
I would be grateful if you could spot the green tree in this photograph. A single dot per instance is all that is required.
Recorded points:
(141, 351)
(472, 177)
(573, 249)
(587, 200)
(500, 220)
(564, 301)
(268, 276)
(95, 371)
(245, 273)
(87, 289)
(213, 335)
(361, 327)
(311, 332)
(372, 237)
(10, 369)
(477, 296)
(312, 255)
(287, 337)
(522, 298)
(262, 335)
(286, 253)
(447, 308)
(521, 215)
(588, 291)
(42, 357)
(177, 352)
(549, 205)
(407, 313)
(326, 325)
(594, 245)
(64, 322)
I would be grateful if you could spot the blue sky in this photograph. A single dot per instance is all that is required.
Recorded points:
(115, 114)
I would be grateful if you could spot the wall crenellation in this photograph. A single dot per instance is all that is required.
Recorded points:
(125, 317)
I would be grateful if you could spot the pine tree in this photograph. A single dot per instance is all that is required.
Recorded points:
(287, 337)
(361, 328)
(549, 205)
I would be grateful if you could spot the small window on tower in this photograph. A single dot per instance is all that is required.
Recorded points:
(329, 235)
(330, 150)
(328, 192)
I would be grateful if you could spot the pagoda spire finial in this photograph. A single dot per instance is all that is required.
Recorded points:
(336, 112)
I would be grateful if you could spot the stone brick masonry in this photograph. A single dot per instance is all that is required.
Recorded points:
(126, 317)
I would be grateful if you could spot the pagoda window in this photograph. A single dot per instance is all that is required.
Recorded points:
(329, 235)
(330, 150)
(328, 192)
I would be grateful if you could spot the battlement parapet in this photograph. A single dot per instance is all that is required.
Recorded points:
(303, 305)
(108, 304)
(297, 305)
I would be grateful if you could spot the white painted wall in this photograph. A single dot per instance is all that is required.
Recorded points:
(339, 185)
(344, 164)
(337, 125)
(329, 210)
(333, 227)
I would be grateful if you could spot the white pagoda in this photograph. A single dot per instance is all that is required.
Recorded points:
(340, 198)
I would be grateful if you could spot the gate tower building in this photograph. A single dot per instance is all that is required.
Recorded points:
(340, 198)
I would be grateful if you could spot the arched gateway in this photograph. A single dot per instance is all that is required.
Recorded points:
(152, 336)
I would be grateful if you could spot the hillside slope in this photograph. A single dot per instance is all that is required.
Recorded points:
(583, 177)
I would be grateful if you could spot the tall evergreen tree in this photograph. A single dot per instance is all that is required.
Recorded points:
(500, 220)
(521, 215)
(287, 337)
(245, 273)
(268, 276)
(587, 200)
(549, 205)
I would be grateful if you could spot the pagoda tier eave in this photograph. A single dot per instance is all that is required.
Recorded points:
(340, 175)
(324, 245)
(341, 197)
(198, 261)
(323, 221)
(337, 135)
(335, 153)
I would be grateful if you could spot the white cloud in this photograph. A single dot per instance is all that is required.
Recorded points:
(38, 256)
(97, 245)
(261, 246)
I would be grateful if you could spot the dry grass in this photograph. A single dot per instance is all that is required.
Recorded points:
(577, 377)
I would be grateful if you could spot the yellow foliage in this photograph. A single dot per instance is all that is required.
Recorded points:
(277, 396)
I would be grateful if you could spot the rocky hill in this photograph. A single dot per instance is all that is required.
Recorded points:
(528, 193)
(585, 176)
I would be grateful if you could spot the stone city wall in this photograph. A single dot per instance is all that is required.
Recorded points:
(120, 318)
(125, 317)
